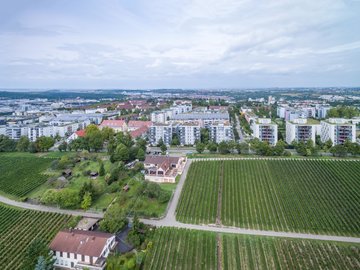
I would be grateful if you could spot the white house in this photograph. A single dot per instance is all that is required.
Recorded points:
(78, 249)
(163, 169)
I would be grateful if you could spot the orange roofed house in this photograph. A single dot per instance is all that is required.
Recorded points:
(163, 169)
(78, 249)
(135, 128)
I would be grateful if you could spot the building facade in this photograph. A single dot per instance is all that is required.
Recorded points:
(338, 130)
(301, 130)
(265, 130)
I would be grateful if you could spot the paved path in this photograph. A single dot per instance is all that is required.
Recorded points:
(170, 221)
(50, 209)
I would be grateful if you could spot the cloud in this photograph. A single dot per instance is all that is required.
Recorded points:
(121, 42)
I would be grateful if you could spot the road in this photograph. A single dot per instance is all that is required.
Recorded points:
(50, 209)
(170, 218)
(239, 129)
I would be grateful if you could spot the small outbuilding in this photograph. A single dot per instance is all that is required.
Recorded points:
(126, 188)
(67, 173)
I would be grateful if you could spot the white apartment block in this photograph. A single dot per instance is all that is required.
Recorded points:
(160, 131)
(301, 130)
(220, 131)
(265, 130)
(321, 111)
(338, 130)
(188, 133)
(168, 114)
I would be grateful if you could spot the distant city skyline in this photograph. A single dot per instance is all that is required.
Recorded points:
(89, 44)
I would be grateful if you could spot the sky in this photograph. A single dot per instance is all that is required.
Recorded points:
(179, 44)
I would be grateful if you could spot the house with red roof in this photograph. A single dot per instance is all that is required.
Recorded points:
(75, 135)
(79, 249)
(163, 169)
(116, 125)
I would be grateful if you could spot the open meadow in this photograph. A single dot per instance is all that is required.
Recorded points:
(313, 196)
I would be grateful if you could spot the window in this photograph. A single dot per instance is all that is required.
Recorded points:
(61, 254)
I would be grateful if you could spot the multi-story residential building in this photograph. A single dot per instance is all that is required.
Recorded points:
(321, 111)
(78, 249)
(301, 130)
(188, 132)
(265, 130)
(160, 131)
(168, 114)
(338, 130)
(16, 131)
(220, 131)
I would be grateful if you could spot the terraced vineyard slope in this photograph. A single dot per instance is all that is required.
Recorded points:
(22, 174)
(312, 196)
(186, 249)
(18, 228)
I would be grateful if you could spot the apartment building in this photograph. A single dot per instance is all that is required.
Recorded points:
(265, 130)
(160, 131)
(220, 131)
(302, 130)
(188, 132)
(338, 130)
(168, 114)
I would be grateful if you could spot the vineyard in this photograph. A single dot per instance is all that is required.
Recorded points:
(22, 174)
(316, 196)
(19, 227)
(182, 249)
(185, 249)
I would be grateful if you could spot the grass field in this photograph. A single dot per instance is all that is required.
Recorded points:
(185, 249)
(22, 173)
(315, 196)
(19, 227)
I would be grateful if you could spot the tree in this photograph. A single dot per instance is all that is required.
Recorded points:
(200, 147)
(328, 144)
(338, 150)
(279, 148)
(242, 148)
(160, 142)
(63, 146)
(212, 147)
(23, 144)
(175, 140)
(204, 135)
(107, 133)
(102, 169)
(68, 198)
(141, 143)
(44, 143)
(37, 248)
(223, 148)
(86, 202)
(32, 147)
(44, 263)
(124, 138)
(163, 149)
(121, 154)
(140, 154)
(7, 144)
(114, 219)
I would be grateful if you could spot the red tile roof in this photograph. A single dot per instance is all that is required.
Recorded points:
(134, 123)
(80, 133)
(138, 132)
(112, 123)
(86, 243)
